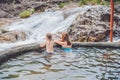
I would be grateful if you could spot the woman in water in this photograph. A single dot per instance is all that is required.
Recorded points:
(65, 42)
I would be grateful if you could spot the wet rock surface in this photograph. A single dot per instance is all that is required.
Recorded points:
(6, 21)
(11, 37)
(117, 8)
(93, 25)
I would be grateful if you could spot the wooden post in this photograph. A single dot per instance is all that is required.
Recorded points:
(111, 19)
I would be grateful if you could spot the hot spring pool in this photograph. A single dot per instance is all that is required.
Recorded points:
(81, 64)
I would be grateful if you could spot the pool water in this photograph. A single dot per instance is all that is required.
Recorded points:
(81, 64)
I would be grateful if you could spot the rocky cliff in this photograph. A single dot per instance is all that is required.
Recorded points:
(11, 8)
(93, 25)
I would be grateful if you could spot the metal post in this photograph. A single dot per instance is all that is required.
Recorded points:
(111, 19)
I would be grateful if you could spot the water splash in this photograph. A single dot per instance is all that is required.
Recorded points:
(38, 25)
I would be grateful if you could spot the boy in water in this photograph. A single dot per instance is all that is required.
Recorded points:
(49, 45)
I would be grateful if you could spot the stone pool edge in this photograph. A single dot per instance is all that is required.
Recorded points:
(19, 50)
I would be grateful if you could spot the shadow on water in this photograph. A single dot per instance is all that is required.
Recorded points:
(81, 64)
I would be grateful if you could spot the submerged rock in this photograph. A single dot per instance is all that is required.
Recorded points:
(11, 37)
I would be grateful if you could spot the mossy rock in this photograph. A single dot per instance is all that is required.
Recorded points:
(26, 13)
(61, 5)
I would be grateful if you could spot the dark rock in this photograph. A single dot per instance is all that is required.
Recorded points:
(118, 23)
(10, 1)
(57, 1)
(4, 14)
(105, 17)
(117, 8)
(85, 21)
(92, 26)
(10, 8)
(117, 20)
(39, 6)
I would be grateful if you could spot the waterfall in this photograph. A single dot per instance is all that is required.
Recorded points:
(38, 25)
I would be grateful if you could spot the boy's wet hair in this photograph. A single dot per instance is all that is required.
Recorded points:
(49, 36)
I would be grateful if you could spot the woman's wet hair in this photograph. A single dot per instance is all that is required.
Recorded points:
(65, 37)
(49, 36)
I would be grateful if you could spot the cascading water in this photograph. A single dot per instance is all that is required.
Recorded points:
(85, 63)
(38, 25)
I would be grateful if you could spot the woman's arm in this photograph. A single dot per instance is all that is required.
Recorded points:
(68, 46)
(59, 42)
(64, 44)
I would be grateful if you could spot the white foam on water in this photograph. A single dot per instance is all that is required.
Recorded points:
(38, 25)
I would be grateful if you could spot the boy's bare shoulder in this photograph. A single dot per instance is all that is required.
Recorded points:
(49, 42)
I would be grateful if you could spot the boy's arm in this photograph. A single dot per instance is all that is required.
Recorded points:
(43, 45)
